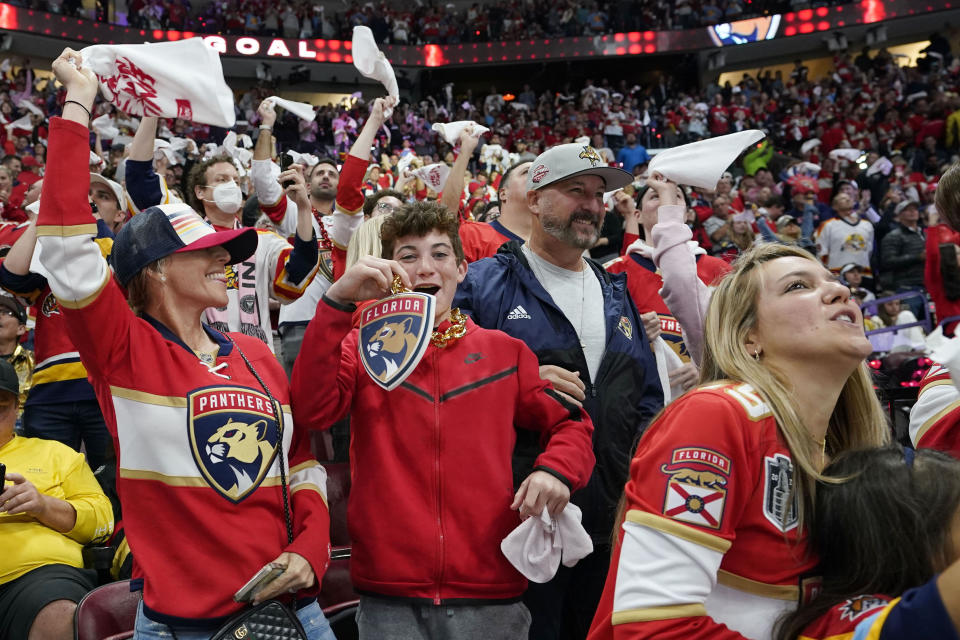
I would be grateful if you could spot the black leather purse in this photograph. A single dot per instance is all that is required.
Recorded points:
(270, 620)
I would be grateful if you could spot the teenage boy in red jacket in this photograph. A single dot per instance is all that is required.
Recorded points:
(432, 495)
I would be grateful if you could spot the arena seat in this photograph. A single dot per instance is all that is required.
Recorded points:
(107, 612)
(337, 597)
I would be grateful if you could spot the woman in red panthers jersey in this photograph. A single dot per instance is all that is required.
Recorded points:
(215, 480)
(884, 530)
(713, 541)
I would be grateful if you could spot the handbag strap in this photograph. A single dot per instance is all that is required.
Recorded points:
(278, 412)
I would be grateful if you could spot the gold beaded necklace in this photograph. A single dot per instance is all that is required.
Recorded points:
(458, 321)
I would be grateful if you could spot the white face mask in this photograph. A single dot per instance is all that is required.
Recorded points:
(228, 197)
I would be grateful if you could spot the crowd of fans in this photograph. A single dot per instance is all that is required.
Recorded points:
(436, 22)
(849, 170)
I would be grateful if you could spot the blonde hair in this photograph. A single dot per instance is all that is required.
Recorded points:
(744, 240)
(857, 421)
(366, 241)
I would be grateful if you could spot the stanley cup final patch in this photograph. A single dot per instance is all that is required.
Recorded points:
(233, 437)
(697, 488)
(394, 334)
(780, 503)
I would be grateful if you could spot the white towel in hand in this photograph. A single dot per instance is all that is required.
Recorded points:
(371, 63)
(180, 79)
(434, 175)
(302, 110)
(451, 130)
(846, 154)
(104, 127)
(535, 547)
(701, 164)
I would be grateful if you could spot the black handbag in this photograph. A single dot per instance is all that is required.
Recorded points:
(270, 620)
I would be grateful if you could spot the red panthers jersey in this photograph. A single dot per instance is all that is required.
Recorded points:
(935, 418)
(710, 544)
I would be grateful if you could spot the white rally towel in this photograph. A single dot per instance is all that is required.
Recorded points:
(103, 126)
(537, 545)
(305, 159)
(810, 145)
(20, 123)
(181, 79)
(701, 164)
(434, 175)
(945, 351)
(371, 63)
(846, 154)
(32, 108)
(302, 110)
(451, 130)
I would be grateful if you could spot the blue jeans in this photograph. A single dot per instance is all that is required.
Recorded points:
(311, 617)
(71, 423)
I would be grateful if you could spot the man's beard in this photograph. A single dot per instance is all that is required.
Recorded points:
(565, 233)
(321, 193)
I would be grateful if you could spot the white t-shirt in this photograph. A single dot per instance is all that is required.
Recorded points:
(579, 296)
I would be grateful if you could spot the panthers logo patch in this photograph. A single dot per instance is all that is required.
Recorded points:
(855, 242)
(326, 264)
(590, 154)
(394, 335)
(233, 437)
(50, 306)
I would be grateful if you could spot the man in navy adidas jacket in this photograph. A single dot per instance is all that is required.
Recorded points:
(590, 342)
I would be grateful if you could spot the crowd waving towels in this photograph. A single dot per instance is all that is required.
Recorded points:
(182, 79)
(701, 164)
(371, 63)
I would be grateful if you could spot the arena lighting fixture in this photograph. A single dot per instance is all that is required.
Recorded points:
(716, 60)
(876, 35)
(836, 42)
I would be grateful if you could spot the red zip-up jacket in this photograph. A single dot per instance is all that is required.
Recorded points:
(431, 460)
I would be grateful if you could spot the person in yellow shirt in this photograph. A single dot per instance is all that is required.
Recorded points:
(13, 325)
(50, 507)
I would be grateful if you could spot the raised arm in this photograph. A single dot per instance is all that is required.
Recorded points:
(145, 187)
(686, 296)
(453, 189)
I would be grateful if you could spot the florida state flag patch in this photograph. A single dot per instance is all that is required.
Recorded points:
(394, 334)
(696, 494)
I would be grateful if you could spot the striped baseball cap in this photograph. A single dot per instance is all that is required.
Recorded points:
(162, 230)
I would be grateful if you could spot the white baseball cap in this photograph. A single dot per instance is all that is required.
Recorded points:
(114, 187)
(568, 160)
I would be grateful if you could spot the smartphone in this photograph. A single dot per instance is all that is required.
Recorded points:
(264, 577)
(286, 161)
(3, 476)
